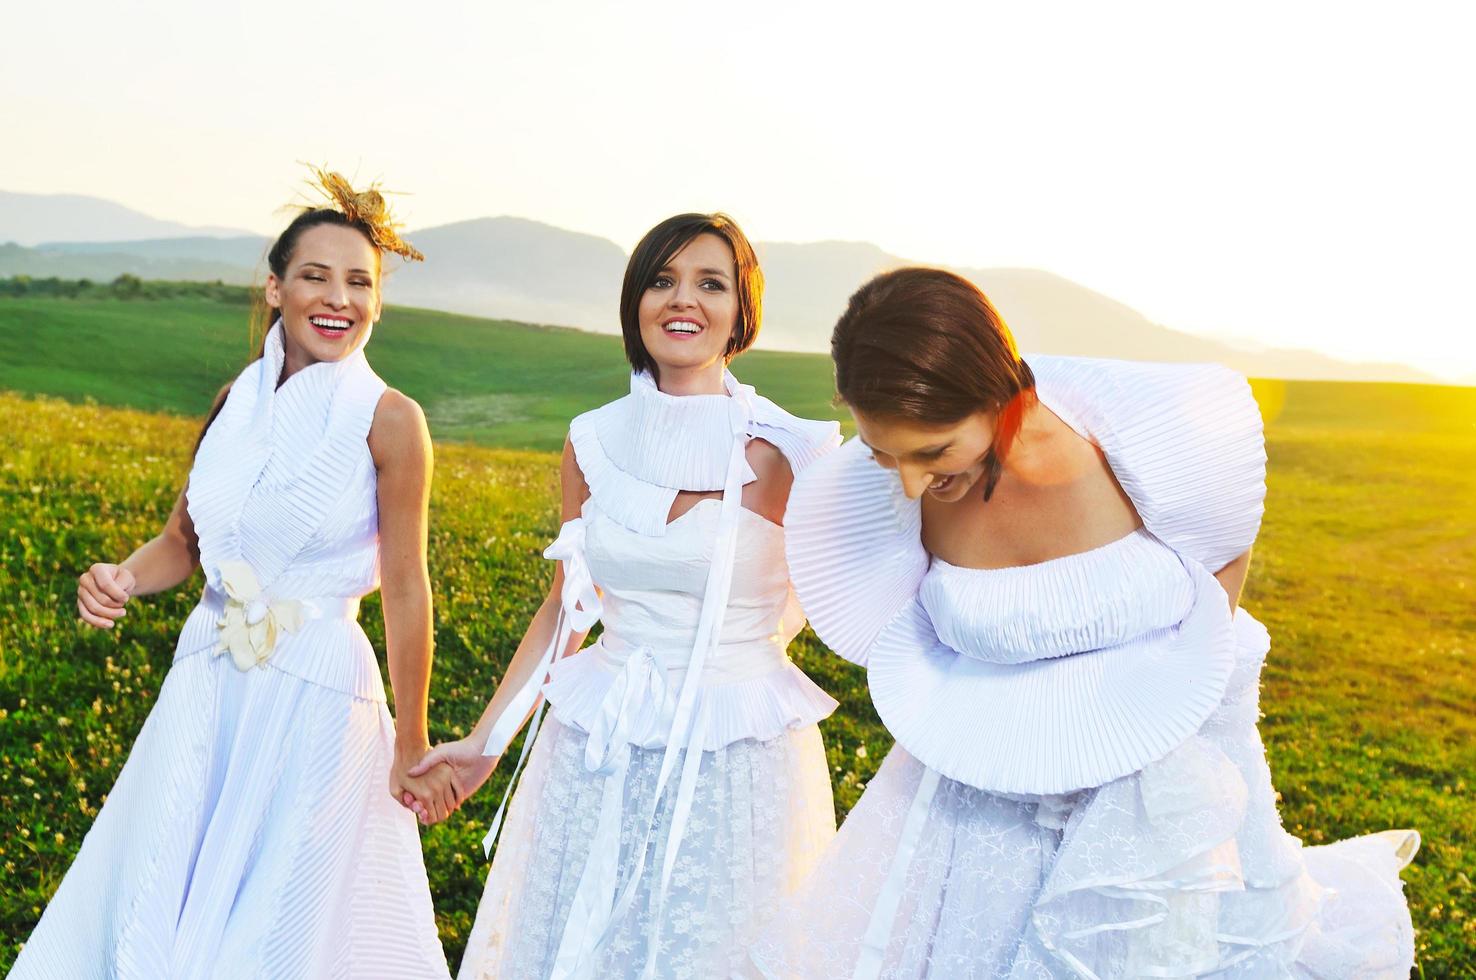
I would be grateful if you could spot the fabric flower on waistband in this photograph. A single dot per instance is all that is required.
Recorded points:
(248, 630)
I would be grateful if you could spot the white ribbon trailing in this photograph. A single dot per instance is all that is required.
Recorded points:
(251, 622)
(878, 935)
(596, 912)
(640, 681)
(579, 609)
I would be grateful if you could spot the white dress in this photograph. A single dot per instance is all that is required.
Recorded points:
(1078, 787)
(608, 868)
(251, 832)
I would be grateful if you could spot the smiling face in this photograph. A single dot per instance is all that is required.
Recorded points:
(688, 312)
(943, 461)
(328, 295)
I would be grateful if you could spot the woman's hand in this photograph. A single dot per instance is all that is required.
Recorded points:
(102, 592)
(469, 767)
(429, 792)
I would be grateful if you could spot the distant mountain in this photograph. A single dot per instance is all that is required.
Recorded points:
(30, 219)
(808, 286)
(103, 265)
(514, 269)
(518, 269)
(244, 252)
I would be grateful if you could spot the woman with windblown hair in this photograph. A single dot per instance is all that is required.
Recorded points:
(255, 830)
(1039, 563)
(679, 787)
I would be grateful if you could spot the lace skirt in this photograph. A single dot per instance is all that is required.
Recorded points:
(1179, 870)
(761, 816)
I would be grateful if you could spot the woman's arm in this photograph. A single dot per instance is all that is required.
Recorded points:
(1232, 578)
(471, 767)
(400, 444)
(158, 565)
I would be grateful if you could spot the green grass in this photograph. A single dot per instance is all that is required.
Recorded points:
(1365, 574)
(491, 382)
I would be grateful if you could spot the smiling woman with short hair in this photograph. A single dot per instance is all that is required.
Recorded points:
(680, 787)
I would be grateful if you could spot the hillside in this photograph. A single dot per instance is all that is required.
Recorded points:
(495, 382)
(488, 381)
(519, 269)
(30, 219)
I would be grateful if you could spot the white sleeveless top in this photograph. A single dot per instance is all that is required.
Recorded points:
(652, 601)
(636, 454)
(1067, 674)
(283, 491)
(698, 614)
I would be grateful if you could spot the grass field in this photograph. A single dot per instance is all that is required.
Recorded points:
(485, 381)
(1365, 574)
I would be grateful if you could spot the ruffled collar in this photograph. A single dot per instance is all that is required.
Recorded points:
(678, 442)
(311, 429)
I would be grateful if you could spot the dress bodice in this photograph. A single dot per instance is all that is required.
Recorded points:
(1126, 589)
(341, 555)
(656, 578)
(652, 587)
(284, 499)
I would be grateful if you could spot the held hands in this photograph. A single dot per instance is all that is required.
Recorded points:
(102, 592)
(429, 792)
(468, 767)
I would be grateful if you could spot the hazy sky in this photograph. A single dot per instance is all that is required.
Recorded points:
(1295, 174)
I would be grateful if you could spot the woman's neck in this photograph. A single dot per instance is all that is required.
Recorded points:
(1045, 448)
(706, 380)
(293, 360)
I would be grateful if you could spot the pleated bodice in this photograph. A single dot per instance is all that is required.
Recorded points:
(1129, 588)
(284, 499)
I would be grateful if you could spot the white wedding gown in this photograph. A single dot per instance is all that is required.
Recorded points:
(251, 832)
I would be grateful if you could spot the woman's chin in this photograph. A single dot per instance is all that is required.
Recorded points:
(685, 360)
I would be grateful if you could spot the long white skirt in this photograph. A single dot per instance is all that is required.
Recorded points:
(761, 815)
(1180, 870)
(250, 834)
(995, 891)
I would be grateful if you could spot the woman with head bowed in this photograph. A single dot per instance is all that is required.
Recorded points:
(1038, 561)
(679, 786)
(256, 829)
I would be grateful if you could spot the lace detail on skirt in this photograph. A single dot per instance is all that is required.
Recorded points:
(761, 816)
(1142, 877)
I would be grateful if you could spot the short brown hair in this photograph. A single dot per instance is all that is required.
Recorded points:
(927, 346)
(657, 248)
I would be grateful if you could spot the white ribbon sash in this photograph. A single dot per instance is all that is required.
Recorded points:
(640, 681)
(879, 929)
(596, 913)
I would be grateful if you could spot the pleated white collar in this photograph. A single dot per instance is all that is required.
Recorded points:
(678, 442)
(315, 423)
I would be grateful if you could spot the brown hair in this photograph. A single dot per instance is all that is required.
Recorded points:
(365, 211)
(927, 346)
(657, 248)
